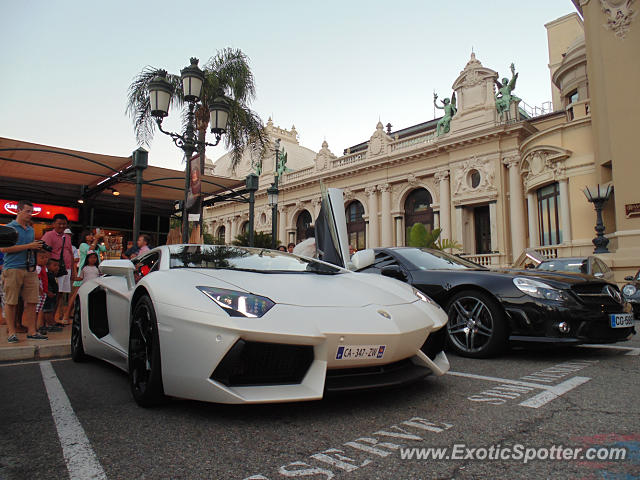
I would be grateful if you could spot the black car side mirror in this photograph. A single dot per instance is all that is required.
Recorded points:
(629, 278)
(394, 271)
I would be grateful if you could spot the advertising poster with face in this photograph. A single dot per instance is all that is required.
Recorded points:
(195, 189)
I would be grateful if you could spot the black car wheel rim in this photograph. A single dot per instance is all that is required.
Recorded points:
(75, 328)
(141, 348)
(470, 324)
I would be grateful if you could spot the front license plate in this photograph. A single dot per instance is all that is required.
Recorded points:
(358, 352)
(621, 320)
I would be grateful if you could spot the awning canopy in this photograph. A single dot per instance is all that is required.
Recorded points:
(44, 173)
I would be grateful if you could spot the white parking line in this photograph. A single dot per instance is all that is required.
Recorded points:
(630, 350)
(80, 458)
(29, 362)
(554, 392)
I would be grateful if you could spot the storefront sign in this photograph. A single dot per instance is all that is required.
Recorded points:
(632, 209)
(40, 210)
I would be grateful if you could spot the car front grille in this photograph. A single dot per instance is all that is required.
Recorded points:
(603, 294)
(257, 363)
(374, 377)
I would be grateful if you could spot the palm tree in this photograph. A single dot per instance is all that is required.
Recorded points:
(227, 75)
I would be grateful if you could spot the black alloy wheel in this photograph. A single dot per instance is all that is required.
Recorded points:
(477, 325)
(77, 348)
(145, 375)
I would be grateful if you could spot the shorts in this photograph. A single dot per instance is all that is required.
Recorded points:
(17, 282)
(64, 283)
(49, 305)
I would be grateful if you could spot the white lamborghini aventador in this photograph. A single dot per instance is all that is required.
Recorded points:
(247, 325)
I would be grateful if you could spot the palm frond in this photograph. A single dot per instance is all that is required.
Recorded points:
(244, 130)
(230, 73)
(139, 107)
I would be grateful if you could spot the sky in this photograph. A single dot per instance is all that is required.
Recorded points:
(332, 68)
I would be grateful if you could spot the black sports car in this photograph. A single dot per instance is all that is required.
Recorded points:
(489, 308)
(631, 293)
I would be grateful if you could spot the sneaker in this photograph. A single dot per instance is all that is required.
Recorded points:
(12, 339)
(52, 328)
(37, 336)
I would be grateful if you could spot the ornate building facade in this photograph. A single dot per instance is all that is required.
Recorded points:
(494, 183)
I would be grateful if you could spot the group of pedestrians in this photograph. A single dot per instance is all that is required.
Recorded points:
(38, 275)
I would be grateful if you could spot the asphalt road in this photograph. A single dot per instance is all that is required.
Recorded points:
(534, 399)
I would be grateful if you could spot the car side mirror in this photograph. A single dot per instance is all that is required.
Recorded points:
(629, 278)
(119, 268)
(394, 271)
(362, 259)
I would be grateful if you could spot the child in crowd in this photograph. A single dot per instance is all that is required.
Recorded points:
(48, 322)
(90, 269)
(42, 259)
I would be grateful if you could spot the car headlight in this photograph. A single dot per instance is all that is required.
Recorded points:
(629, 290)
(539, 289)
(423, 297)
(238, 304)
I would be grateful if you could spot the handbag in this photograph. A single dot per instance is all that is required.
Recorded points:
(62, 269)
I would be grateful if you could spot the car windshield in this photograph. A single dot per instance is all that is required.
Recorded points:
(426, 259)
(245, 259)
(574, 265)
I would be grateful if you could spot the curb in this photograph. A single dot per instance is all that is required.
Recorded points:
(35, 352)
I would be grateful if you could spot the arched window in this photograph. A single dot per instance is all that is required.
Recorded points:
(302, 223)
(356, 227)
(417, 209)
(221, 234)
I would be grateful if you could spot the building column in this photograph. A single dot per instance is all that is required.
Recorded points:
(234, 228)
(372, 193)
(516, 206)
(282, 225)
(436, 220)
(399, 232)
(386, 223)
(442, 178)
(493, 225)
(227, 231)
(565, 211)
(532, 206)
(459, 227)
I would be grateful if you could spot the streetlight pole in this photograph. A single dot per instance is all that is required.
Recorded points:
(160, 94)
(599, 195)
(272, 194)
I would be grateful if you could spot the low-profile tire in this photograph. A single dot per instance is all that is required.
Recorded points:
(477, 325)
(77, 347)
(145, 369)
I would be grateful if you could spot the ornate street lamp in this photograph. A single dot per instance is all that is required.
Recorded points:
(598, 195)
(160, 93)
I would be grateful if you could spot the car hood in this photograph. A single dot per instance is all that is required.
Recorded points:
(347, 289)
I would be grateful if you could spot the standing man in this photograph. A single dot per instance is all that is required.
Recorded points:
(143, 244)
(19, 275)
(62, 250)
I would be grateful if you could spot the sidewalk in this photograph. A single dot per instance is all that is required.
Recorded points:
(58, 345)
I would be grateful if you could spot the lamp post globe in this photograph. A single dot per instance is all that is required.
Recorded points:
(160, 91)
(219, 115)
(192, 79)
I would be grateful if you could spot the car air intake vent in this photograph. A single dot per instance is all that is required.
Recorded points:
(257, 363)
